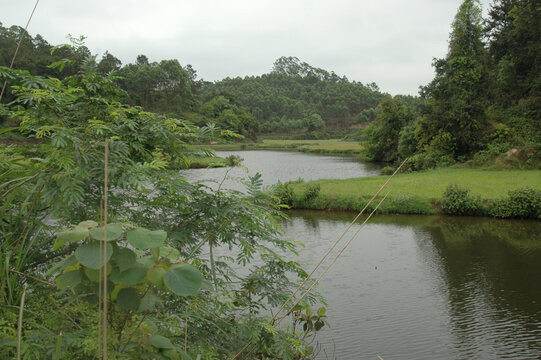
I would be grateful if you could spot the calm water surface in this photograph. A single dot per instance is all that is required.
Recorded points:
(413, 287)
(285, 166)
(422, 287)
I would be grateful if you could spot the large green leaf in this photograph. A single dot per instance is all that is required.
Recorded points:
(142, 238)
(76, 234)
(114, 231)
(184, 280)
(172, 354)
(149, 301)
(89, 255)
(70, 279)
(131, 276)
(169, 252)
(62, 264)
(155, 275)
(124, 258)
(147, 261)
(87, 224)
(94, 275)
(161, 342)
(128, 299)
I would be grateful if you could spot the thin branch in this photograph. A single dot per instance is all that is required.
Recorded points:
(65, 314)
(19, 184)
(133, 332)
(105, 203)
(18, 46)
(32, 277)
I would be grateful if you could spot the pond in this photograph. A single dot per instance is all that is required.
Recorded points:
(287, 166)
(413, 287)
(425, 287)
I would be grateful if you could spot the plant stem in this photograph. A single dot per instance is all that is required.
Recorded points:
(212, 265)
(20, 325)
(105, 201)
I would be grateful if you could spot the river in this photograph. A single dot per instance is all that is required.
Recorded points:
(416, 287)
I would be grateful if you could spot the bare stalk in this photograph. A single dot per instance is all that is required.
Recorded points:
(105, 201)
(20, 325)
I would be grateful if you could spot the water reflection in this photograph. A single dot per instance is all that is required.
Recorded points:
(492, 273)
(429, 287)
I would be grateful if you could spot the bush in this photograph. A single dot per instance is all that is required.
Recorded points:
(458, 201)
(523, 203)
(387, 170)
(429, 160)
(284, 192)
(311, 192)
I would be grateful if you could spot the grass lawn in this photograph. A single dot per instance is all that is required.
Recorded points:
(415, 192)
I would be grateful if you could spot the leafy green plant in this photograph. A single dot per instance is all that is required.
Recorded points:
(141, 271)
(522, 203)
(58, 179)
(311, 192)
(285, 193)
(457, 201)
(309, 320)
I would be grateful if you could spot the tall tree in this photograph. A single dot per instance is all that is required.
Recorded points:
(384, 133)
(108, 63)
(455, 115)
(514, 33)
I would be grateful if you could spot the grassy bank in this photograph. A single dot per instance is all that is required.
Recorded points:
(412, 193)
(203, 162)
(330, 146)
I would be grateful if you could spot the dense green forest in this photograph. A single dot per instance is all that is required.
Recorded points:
(168, 295)
(293, 97)
(296, 96)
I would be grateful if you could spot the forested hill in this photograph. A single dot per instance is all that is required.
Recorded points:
(295, 95)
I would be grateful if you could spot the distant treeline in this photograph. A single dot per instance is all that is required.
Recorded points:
(293, 97)
(484, 99)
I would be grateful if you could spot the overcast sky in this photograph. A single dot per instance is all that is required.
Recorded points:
(389, 42)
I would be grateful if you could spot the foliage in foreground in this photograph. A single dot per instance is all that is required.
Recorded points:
(230, 239)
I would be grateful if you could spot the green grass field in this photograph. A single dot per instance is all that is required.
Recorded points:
(336, 146)
(414, 192)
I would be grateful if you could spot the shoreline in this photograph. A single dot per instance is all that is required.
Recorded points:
(412, 193)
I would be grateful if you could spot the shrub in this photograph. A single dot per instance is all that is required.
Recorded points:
(387, 170)
(233, 160)
(311, 192)
(429, 160)
(284, 192)
(457, 201)
(523, 203)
